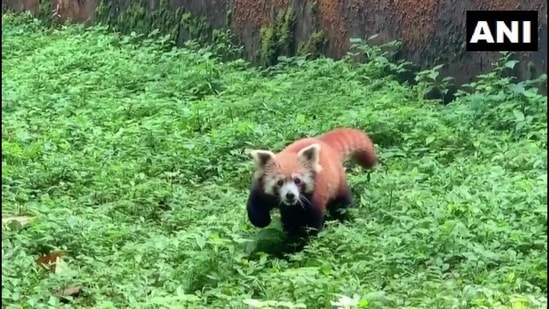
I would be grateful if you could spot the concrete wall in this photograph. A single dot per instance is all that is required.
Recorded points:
(432, 31)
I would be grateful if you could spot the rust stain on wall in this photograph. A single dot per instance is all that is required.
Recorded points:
(254, 14)
(416, 20)
(332, 22)
(78, 11)
(21, 5)
(496, 4)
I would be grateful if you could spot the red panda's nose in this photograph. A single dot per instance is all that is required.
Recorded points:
(290, 196)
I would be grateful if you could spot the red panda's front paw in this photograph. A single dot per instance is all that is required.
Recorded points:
(259, 221)
(259, 207)
(258, 214)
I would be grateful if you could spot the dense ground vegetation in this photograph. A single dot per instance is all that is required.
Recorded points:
(130, 157)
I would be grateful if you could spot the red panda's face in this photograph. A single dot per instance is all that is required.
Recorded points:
(288, 187)
(288, 175)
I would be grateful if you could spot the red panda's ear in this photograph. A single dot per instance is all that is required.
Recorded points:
(262, 157)
(310, 155)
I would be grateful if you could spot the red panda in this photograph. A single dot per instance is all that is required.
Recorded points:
(306, 179)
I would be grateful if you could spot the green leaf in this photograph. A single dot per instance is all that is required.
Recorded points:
(511, 64)
(519, 116)
(438, 67)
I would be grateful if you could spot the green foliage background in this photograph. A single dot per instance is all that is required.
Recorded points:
(131, 157)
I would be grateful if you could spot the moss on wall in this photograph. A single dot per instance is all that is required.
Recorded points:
(314, 46)
(139, 17)
(279, 38)
(45, 11)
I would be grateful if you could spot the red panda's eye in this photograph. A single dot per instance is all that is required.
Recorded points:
(280, 182)
(297, 181)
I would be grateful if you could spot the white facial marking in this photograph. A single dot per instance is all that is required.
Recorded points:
(308, 183)
(289, 193)
(269, 185)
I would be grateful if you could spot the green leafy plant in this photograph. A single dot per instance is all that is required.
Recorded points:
(429, 81)
(381, 58)
(499, 101)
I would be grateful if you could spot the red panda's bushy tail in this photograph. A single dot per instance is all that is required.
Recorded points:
(353, 143)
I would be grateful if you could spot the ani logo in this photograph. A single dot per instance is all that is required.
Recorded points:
(502, 30)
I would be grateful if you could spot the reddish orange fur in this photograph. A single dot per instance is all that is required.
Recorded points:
(329, 175)
(306, 179)
(335, 146)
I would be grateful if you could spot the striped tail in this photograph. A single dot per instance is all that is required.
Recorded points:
(352, 143)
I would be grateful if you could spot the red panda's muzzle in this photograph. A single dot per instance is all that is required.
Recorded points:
(290, 193)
